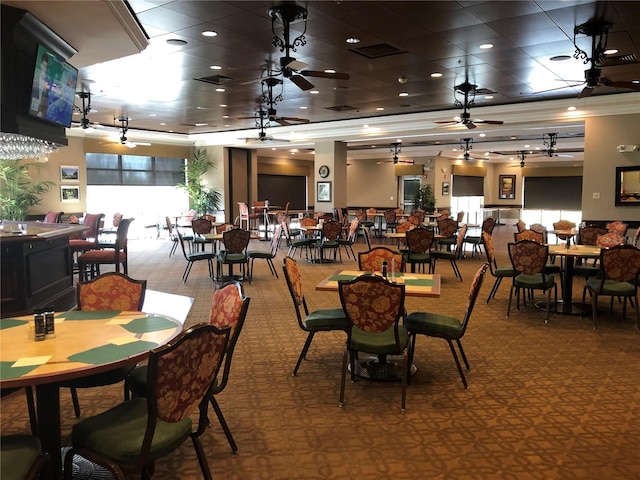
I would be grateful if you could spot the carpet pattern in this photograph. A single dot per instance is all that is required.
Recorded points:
(556, 401)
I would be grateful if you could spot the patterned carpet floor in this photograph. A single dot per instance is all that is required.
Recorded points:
(549, 402)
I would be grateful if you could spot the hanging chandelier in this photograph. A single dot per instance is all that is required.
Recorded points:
(17, 147)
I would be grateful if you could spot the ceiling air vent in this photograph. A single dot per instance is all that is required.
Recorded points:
(377, 51)
(215, 79)
(341, 108)
(627, 59)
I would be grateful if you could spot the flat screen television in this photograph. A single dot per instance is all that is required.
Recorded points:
(53, 89)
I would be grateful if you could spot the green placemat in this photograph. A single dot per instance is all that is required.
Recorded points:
(336, 278)
(7, 372)
(420, 282)
(111, 353)
(149, 324)
(11, 322)
(89, 314)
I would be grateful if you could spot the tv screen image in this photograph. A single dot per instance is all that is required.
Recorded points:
(54, 88)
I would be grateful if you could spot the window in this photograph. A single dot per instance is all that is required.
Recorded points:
(110, 169)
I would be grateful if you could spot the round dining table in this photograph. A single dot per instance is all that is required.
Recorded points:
(85, 343)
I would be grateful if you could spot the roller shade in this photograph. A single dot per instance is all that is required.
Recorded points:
(555, 193)
(467, 186)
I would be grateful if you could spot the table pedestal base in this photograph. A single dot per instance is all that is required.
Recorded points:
(562, 308)
(371, 368)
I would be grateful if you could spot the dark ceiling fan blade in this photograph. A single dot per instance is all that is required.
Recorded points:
(301, 82)
(586, 92)
(618, 84)
(447, 122)
(281, 120)
(577, 84)
(320, 74)
(470, 125)
(490, 122)
(292, 119)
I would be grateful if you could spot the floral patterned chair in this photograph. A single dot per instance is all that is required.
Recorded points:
(371, 260)
(497, 272)
(374, 307)
(452, 256)
(179, 379)
(618, 227)
(235, 243)
(528, 234)
(322, 320)
(419, 241)
(352, 237)
(619, 269)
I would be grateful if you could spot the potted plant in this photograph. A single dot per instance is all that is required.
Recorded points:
(424, 199)
(17, 193)
(203, 199)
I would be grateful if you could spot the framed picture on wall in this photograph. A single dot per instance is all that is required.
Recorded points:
(69, 173)
(507, 187)
(324, 192)
(69, 194)
(445, 188)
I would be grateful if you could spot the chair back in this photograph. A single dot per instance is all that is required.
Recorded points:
(418, 217)
(211, 218)
(294, 283)
(490, 249)
(563, 225)
(372, 304)
(111, 291)
(610, 239)
(243, 210)
(520, 225)
(331, 230)
(93, 221)
(201, 226)
(367, 237)
(181, 242)
(460, 217)
(618, 227)
(488, 224)
(528, 257)
(308, 222)
(419, 240)
(476, 284)
(538, 227)
(371, 212)
(636, 237)
(353, 229)
(275, 240)
(228, 309)
(414, 219)
(259, 206)
(117, 218)
(462, 232)
(390, 216)
(620, 263)
(52, 217)
(361, 215)
(121, 235)
(236, 240)
(371, 260)
(589, 235)
(528, 234)
(447, 227)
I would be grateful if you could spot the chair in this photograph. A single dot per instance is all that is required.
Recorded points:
(497, 272)
(636, 237)
(23, 459)
(173, 236)
(109, 291)
(352, 237)
(611, 239)
(89, 238)
(367, 237)
(374, 307)
(259, 209)
(52, 217)
(194, 257)
(452, 256)
(132, 435)
(606, 240)
(235, 243)
(447, 227)
(322, 320)
(417, 217)
(460, 217)
(540, 237)
(618, 227)
(266, 255)
(106, 237)
(371, 260)
(446, 327)
(331, 232)
(247, 217)
(295, 243)
(563, 225)
(202, 226)
(520, 225)
(619, 269)
(390, 219)
(403, 227)
(228, 309)
(528, 234)
(107, 256)
(529, 259)
(538, 227)
(365, 222)
(589, 235)
(419, 241)
(488, 224)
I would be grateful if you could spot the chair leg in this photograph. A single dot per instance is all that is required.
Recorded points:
(344, 376)
(76, 403)
(31, 406)
(405, 379)
(223, 424)
(202, 458)
(455, 357)
(594, 305)
(494, 289)
(303, 353)
(456, 270)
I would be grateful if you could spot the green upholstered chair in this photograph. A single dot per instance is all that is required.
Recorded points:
(451, 255)
(267, 255)
(202, 226)
(22, 459)
(109, 291)
(419, 241)
(132, 435)
(371, 260)
(228, 309)
(446, 327)
(293, 243)
(331, 233)
(351, 238)
(618, 277)
(322, 320)
(497, 272)
(235, 244)
(447, 227)
(529, 260)
(488, 224)
(194, 257)
(374, 307)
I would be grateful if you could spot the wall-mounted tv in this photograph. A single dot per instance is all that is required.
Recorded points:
(53, 89)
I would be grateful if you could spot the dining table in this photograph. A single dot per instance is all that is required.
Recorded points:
(85, 343)
(265, 213)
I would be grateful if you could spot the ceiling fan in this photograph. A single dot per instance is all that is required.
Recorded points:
(550, 140)
(270, 100)
(294, 70)
(85, 123)
(122, 131)
(469, 91)
(466, 145)
(262, 119)
(395, 149)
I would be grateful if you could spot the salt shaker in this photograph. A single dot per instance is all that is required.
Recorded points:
(384, 269)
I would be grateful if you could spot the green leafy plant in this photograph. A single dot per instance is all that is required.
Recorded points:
(203, 199)
(424, 199)
(17, 193)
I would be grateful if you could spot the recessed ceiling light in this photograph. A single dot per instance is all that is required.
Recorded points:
(220, 90)
(488, 97)
(611, 51)
(303, 108)
(436, 75)
(482, 135)
(225, 116)
(486, 46)
(635, 81)
(314, 92)
(199, 124)
(527, 146)
(152, 114)
(329, 70)
(403, 94)
(454, 149)
(162, 123)
(202, 108)
(380, 109)
(373, 146)
(215, 67)
(176, 41)
(560, 58)
(223, 105)
(513, 137)
(365, 125)
(294, 150)
(571, 108)
(353, 40)
(399, 140)
(209, 33)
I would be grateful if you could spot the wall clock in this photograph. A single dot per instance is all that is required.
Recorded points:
(323, 171)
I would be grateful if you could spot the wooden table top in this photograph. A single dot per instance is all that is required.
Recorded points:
(86, 342)
(396, 235)
(583, 251)
(218, 236)
(416, 284)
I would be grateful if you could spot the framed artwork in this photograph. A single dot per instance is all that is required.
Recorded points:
(324, 192)
(69, 173)
(445, 188)
(69, 194)
(507, 187)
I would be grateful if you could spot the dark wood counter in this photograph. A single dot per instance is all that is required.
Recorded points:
(36, 268)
